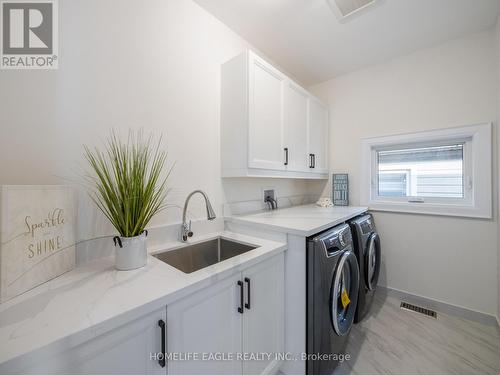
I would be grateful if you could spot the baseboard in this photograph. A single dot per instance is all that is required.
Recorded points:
(443, 307)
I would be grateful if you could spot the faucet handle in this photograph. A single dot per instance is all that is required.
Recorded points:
(189, 232)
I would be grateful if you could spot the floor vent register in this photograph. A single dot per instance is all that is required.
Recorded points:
(418, 309)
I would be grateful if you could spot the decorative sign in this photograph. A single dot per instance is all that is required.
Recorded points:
(340, 189)
(37, 236)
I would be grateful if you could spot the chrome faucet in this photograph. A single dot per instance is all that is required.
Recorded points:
(271, 203)
(186, 231)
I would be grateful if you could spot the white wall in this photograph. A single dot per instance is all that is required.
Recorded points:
(453, 260)
(126, 64)
(497, 30)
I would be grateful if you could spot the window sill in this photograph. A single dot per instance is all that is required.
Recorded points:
(431, 209)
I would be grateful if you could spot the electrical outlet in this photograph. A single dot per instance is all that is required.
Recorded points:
(269, 193)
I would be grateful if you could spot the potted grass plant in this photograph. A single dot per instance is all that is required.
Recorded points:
(129, 186)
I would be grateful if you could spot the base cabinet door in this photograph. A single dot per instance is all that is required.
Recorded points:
(263, 320)
(129, 350)
(237, 318)
(207, 322)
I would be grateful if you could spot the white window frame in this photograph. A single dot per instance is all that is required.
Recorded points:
(477, 169)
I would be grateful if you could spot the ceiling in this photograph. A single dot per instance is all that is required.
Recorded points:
(308, 40)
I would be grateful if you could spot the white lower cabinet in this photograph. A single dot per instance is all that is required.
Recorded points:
(205, 322)
(237, 315)
(240, 315)
(264, 322)
(128, 350)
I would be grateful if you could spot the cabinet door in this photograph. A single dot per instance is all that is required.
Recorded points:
(318, 135)
(296, 103)
(128, 350)
(263, 321)
(266, 88)
(206, 322)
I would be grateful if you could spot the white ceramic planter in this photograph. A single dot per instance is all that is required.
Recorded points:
(130, 252)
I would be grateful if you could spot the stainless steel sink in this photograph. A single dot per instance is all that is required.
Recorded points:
(200, 255)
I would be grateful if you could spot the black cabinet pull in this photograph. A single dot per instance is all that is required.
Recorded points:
(286, 155)
(247, 305)
(240, 284)
(311, 160)
(314, 160)
(161, 361)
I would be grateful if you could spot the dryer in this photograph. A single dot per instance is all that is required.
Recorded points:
(368, 253)
(332, 296)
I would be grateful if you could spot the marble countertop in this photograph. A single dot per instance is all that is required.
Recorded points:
(95, 298)
(304, 220)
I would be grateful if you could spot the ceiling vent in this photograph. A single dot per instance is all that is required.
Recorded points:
(347, 8)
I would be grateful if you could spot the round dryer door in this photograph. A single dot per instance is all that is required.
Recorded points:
(372, 261)
(344, 293)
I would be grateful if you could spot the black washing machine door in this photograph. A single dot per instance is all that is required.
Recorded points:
(372, 261)
(344, 293)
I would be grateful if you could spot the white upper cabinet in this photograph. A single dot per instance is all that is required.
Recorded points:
(265, 123)
(266, 91)
(317, 139)
(296, 104)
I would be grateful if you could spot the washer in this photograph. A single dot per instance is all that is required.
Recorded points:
(332, 295)
(368, 254)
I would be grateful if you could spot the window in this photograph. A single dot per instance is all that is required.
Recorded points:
(393, 183)
(445, 172)
(428, 171)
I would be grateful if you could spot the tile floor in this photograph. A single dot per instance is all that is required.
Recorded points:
(394, 341)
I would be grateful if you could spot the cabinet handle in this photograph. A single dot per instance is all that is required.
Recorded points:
(311, 160)
(247, 305)
(240, 284)
(161, 361)
(286, 155)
